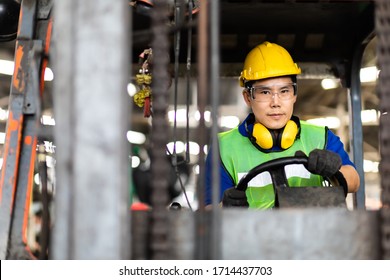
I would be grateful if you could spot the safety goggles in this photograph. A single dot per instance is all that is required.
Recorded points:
(266, 93)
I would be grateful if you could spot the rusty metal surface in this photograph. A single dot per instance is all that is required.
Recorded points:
(21, 137)
(383, 51)
(26, 161)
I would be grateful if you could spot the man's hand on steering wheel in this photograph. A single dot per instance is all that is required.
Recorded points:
(234, 198)
(322, 162)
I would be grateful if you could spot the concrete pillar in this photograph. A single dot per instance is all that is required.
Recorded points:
(91, 63)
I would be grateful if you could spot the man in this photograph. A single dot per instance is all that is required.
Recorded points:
(271, 131)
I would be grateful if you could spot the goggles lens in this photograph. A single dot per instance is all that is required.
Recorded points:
(266, 93)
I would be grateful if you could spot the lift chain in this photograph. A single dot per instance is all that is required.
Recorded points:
(159, 165)
(383, 49)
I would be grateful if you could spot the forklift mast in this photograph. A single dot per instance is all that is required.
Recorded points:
(31, 54)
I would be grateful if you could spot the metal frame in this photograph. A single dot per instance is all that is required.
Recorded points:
(22, 129)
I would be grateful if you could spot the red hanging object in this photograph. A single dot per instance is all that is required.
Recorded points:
(147, 107)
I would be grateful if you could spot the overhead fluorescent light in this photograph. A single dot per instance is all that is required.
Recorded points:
(135, 137)
(131, 89)
(7, 68)
(230, 121)
(180, 147)
(370, 166)
(206, 115)
(331, 122)
(180, 115)
(135, 161)
(3, 114)
(49, 75)
(370, 116)
(369, 74)
(177, 147)
(2, 137)
(47, 120)
(329, 84)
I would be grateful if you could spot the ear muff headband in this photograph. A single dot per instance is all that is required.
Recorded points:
(266, 140)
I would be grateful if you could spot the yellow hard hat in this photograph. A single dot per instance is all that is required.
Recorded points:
(268, 60)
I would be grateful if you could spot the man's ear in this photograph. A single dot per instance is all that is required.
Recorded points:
(246, 96)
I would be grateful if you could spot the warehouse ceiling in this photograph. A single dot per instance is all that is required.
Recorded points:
(322, 36)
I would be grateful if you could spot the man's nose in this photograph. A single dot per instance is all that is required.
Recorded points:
(275, 98)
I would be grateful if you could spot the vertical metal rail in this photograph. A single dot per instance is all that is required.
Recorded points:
(214, 91)
(45, 229)
(203, 74)
(91, 66)
(188, 80)
(14, 129)
(16, 183)
(356, 128)
(382, 25)
(42, 41)
(179, 15)
(179, 5)
(159, 137)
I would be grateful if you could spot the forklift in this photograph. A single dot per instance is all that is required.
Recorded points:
(92, 118)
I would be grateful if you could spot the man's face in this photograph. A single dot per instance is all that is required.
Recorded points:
(269, 108)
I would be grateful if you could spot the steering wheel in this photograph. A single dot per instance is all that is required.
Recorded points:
(286, 196)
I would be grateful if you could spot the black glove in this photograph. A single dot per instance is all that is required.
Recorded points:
(323, 162)
(234, 198)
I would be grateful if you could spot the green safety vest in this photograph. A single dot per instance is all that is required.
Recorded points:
(239, 156)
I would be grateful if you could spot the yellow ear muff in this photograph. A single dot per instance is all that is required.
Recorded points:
(263, 137)
(289, 134)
